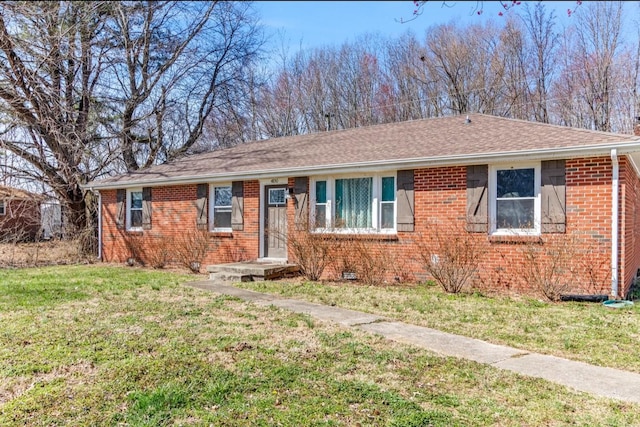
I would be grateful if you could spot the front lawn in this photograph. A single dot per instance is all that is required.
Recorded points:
(96, 345)
(586, 332)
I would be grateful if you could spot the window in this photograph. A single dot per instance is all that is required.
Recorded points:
(321, 204)
(2, 208)
(355, 203)
(388, 203)
(134, 209)
(516, 199)
(277, 196)
(221, 207)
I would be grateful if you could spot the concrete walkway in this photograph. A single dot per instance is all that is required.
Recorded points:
(599, 381)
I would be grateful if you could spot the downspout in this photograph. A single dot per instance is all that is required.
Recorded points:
(614, 221)
(99, 225)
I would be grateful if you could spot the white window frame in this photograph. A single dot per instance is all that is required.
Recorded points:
(376, 203)
(3, 208)
(493, 203)
(212, 197)
(129, 207)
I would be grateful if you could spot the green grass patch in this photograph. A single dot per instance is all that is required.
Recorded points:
(120, 346)
(587, 332)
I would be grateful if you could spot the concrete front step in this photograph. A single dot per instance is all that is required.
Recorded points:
(230, 277)
(251, 271)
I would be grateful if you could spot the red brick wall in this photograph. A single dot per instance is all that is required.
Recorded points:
(21, 220)
(629, 225)
(440, 196)
(174, 220)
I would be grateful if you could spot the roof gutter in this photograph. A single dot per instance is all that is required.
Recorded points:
(614, 221)
(624, 147)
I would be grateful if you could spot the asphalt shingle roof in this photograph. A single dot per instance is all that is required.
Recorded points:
(17, 194)
(436, 138)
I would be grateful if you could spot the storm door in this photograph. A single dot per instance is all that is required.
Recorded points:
(275, 222)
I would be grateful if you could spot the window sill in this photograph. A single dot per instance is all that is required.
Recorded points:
(523, 238)
(221, 234)
(135, 231)
(360, 236)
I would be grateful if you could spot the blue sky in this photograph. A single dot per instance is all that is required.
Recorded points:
(309, 24)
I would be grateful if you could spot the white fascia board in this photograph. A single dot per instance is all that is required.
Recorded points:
(624, 147)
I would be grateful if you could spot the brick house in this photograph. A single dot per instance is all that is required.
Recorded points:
(508, 183)
(19, 214)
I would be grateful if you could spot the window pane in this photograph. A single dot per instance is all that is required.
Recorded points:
(388, 189)
(515, 183)
(515, 213)
(136, 218)
(222, 196)
(221, 217)
(321, 215)
(353, 202)
(276, 196)
(136, 200)
(387, 220)
(321, 191)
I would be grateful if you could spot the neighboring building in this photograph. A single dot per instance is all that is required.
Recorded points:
(20, 218)
(51, 219)
(509, 182)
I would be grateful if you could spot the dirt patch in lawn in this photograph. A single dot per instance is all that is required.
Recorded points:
(17, 386)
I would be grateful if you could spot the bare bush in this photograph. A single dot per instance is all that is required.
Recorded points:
(158, 251)
(546, 268)
(312, 251)
(191, 248)
(562, 263)
(371, 261)
(594, 267)
(451, 255)
(135, 247)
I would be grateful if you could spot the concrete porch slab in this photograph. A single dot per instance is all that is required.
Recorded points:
(252, 270)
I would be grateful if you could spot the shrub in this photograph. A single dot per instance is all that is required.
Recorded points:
(191, 248)
(135, 247)
(312, 251)
(450, 254)
(365, 259)
(563, 263)
(158, 251)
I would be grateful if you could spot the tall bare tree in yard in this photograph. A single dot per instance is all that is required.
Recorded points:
(180, 61)
(52, 56)
(542, 38)
(598, 42)
(90, 88)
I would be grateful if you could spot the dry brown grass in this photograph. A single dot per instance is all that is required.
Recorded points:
(36, 254)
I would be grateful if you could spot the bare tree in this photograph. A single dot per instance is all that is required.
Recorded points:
(599, 29)
(52, 54)
(180, 62)
(90, 88)
(543, 40)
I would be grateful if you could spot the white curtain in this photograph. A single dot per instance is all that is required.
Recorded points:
(354, 197)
